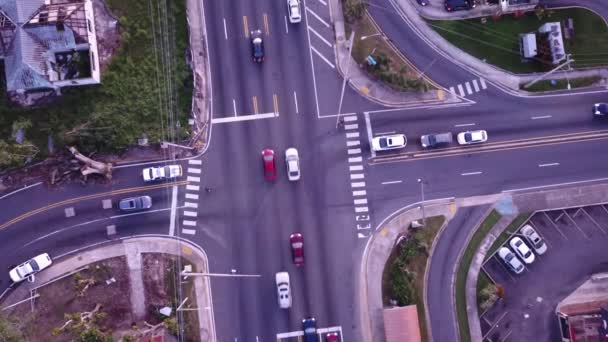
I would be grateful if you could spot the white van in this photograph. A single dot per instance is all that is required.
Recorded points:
(283, 290)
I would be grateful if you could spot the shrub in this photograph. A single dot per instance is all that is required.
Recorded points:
(353, 10)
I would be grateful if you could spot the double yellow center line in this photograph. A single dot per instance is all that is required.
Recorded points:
(266, 25)
(88, 197)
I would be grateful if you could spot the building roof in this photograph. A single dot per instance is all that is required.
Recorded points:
(401, 324)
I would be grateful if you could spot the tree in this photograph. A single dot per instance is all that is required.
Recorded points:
(94, 335)
(9, 332)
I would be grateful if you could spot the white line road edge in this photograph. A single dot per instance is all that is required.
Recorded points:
(471, 173)
(541, 117)
(225, 30)
(245, 118)
(392, 182)
(312, 63)
(370, 135)
(548, 164)
(173, 216)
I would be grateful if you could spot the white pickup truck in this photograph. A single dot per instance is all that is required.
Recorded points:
(152, 174)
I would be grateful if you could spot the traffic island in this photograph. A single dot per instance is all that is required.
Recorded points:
(125, 290)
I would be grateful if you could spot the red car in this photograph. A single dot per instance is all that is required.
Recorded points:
(270, 169)
(297, 248)
(332, 337)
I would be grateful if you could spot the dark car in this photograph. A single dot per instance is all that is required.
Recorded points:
(257, 46)
(436, 140)
(600, 109)
(309, 325)
(423, 2)
(457, 5)
(135, 203)
(297, 248)
(270, 168)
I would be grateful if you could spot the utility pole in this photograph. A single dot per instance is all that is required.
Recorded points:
(567, 62)
(350, 46)
(421, 182)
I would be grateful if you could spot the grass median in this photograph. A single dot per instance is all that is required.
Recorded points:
(403, 276)
(549, 85)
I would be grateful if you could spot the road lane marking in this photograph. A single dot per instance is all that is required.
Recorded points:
(350, 118)
(361, 209)
(384, 133)
(360, 201)
(355, 159)
(195, 162)
(255, 105)
(194, 179)
(357, 184)
(266, 26)
(357, 176)
(468, 86)
(317, 16)
(234, 106)
(275, 102)
(281, 336)
(475, 85)
(356, 168)
(323, 2)
(192, 196)
(391, 182)
(368, 127)
(245, 118)
(483, 83)
(354, 151)
(352, 135)
(541, 117)
(189, 223)
(350, 143)
(548, 164)
(173, 211)
(295, 100)
(460, 90)
(323, 57)
(452, 90)
(246, 26)
(471, 173)
(225, 30)
(194, 170)
(351, 126)
(320, 37)
(312, 71)
(88, 197)
(191, 187)
(191, 205)
(189, 213)
(464, 125)
(188, 231)
(286, 25)
(359, 193)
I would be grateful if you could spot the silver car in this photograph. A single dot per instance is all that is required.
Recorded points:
(511, 260)
(537, 243)
(135, 203)
(522, 250)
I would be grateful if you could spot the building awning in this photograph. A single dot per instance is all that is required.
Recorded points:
(401, 324)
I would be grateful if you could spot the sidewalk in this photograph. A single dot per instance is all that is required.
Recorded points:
(508, 81)
(369, 87)
(436, 10)
(132, 248)
(380, 245)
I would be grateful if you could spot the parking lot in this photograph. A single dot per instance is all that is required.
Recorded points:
(577, 241)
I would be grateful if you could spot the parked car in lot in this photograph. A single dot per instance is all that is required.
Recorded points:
(257, 46)
(135, 203)
(309, 325)
(511, 260)
(297, 248)
(283, 290)
(537, 243)
(332, 337)
(30, 267)
(457, 5)
(436, 140)
(389, 142)
(293, 11)
(269, 164)
(600, 109)
(159, 173)
(292, 161)
(522, 250)
(472, 137)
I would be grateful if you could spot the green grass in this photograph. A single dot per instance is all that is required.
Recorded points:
(463, 269)
(482, 282)
(504, 236)
(546, 85)
(394, 278)
(497, 41)
(133, 98)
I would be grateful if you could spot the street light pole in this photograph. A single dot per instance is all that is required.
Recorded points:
(422, 202)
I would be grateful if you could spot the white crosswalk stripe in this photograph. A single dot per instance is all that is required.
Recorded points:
(483, 83)
(189, 223)
(194, 170)
(356, 176)
(358, 184)
(468, 86)
(195, 161)
(353, 143)
(352, 135)
(188, 231)
(475, 85)
(355, 159)
(190, 213)
(460, 90)
(354, 151)
(452, 90)
(191, 187)
(192, 196)
(350, 118)
(194, 179)
(356, 168)
(191, 205)
(361, 209)
(351, 126)
(359, 193)
(360, 201)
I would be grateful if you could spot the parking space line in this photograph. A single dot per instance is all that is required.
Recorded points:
(575, 224)
(554, 225)
(320, 37)
(317, 16)
(594, 222)
(323, 57)
(275, 102)
(234, 106)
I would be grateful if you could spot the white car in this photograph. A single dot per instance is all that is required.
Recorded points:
(389, 142)
(283, 290)
(522, 250)
(292, 161)
(472, 137)
(162, 172)
(537, 243)
(28, 268)
(511, 260)
(293, 11)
